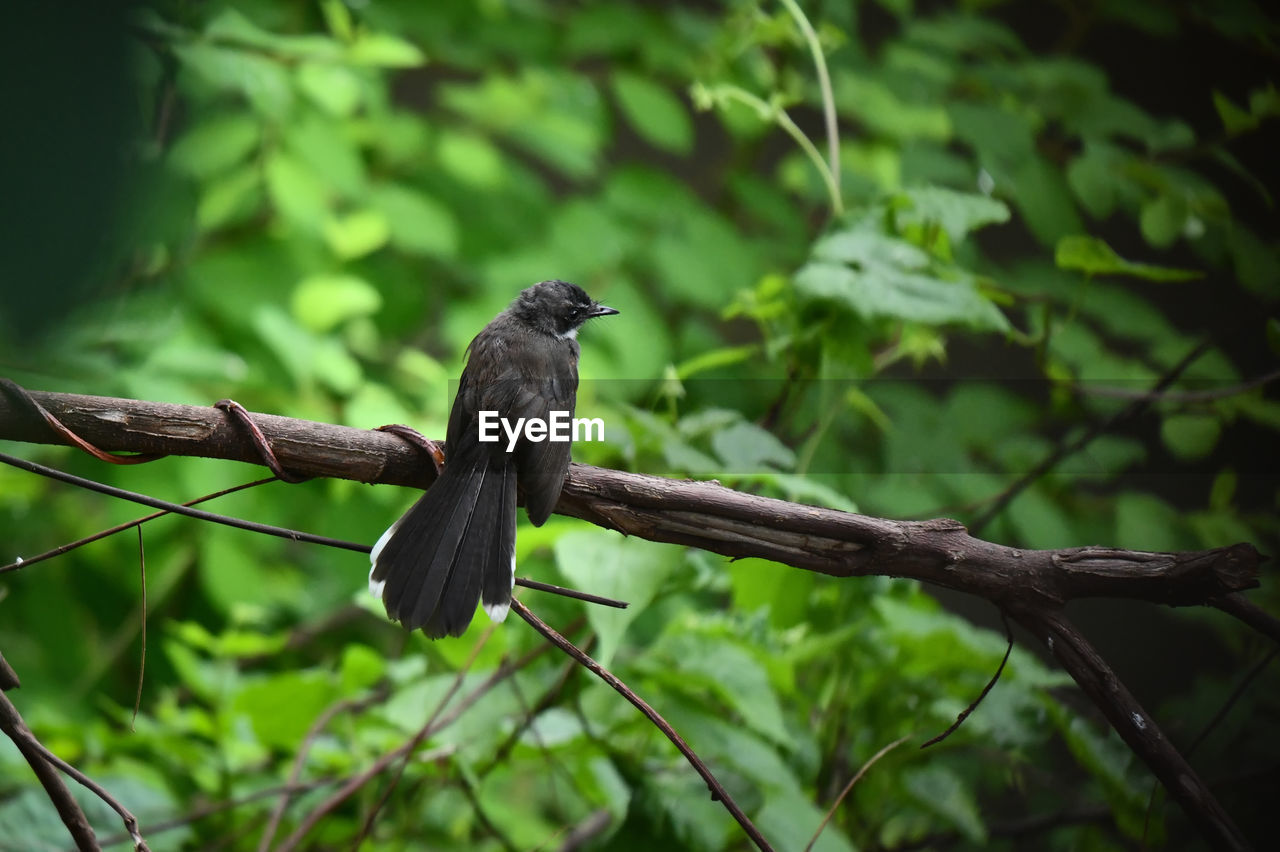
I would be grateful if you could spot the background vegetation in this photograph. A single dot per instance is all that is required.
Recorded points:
(312, 206)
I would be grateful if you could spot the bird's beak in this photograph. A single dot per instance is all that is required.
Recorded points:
(601, 311)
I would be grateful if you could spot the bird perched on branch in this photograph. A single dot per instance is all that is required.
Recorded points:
(456, 545)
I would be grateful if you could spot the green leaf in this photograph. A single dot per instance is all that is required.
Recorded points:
(865, 247)
(229, 576)
(1040, 520)
(1257, 264)
(361, 668)
(884, 113)
(733, 674)
(747, 448)
(1234, 119)
(940, 790)
(471, 158)
(628, 569)
(356, 234)
(215, 146)
(788, 819)
(230, 198)
(700, 246)
(654, 112)
(958, 213)
(1105, 757)
(282, 707)
(1163, 219)
(1096, 176)
(321, 144)
(419, 224)
(1044, 199)
(805, 488)
(896, 293)
(335, 368)
(263, 82)
(1190, 436)
(231, 26)
(333, 88)
(1265, 103)
(1273, 335)
(387, 51)
(1223, 490)
(306, 357)
(714, 359)
(298, 194)
(1146, 522)
(322, 302)
(1092, 256)
(557, 115)
(758, 583)
(338, 18)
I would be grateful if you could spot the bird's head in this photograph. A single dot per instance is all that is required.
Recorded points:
(557, 308)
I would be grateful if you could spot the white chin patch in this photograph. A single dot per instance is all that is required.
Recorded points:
(571, 334)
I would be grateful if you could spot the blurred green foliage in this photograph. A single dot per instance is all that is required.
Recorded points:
(331, 198)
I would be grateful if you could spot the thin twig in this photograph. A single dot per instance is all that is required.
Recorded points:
(177, 508)
(8, 677)
(587, 830)
(69, 810)
(473, 798)
(17, 730)
(718, 792)
(1176, 396)
(239, 523)
(1067, 448)
(1212, 724)
(544, 702)
(110, 531)
(367, 824)
(1235, 696)
(227, 805)
(964, 714)
(1250, 613)
(849, 787)
(142, 657)
(348, 789)
(1101, 814)
(300, 759)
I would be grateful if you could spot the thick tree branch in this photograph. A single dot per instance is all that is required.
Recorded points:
(1029, 584)
(1135, 726)
(705, 515)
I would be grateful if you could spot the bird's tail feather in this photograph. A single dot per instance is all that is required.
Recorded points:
(448, 550)
(487, 548)
(499, 562)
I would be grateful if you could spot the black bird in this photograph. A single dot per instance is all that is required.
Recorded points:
(456, 545)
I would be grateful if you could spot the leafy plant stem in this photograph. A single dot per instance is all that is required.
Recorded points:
(773, 112)
(828, 98)
(811, 445)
